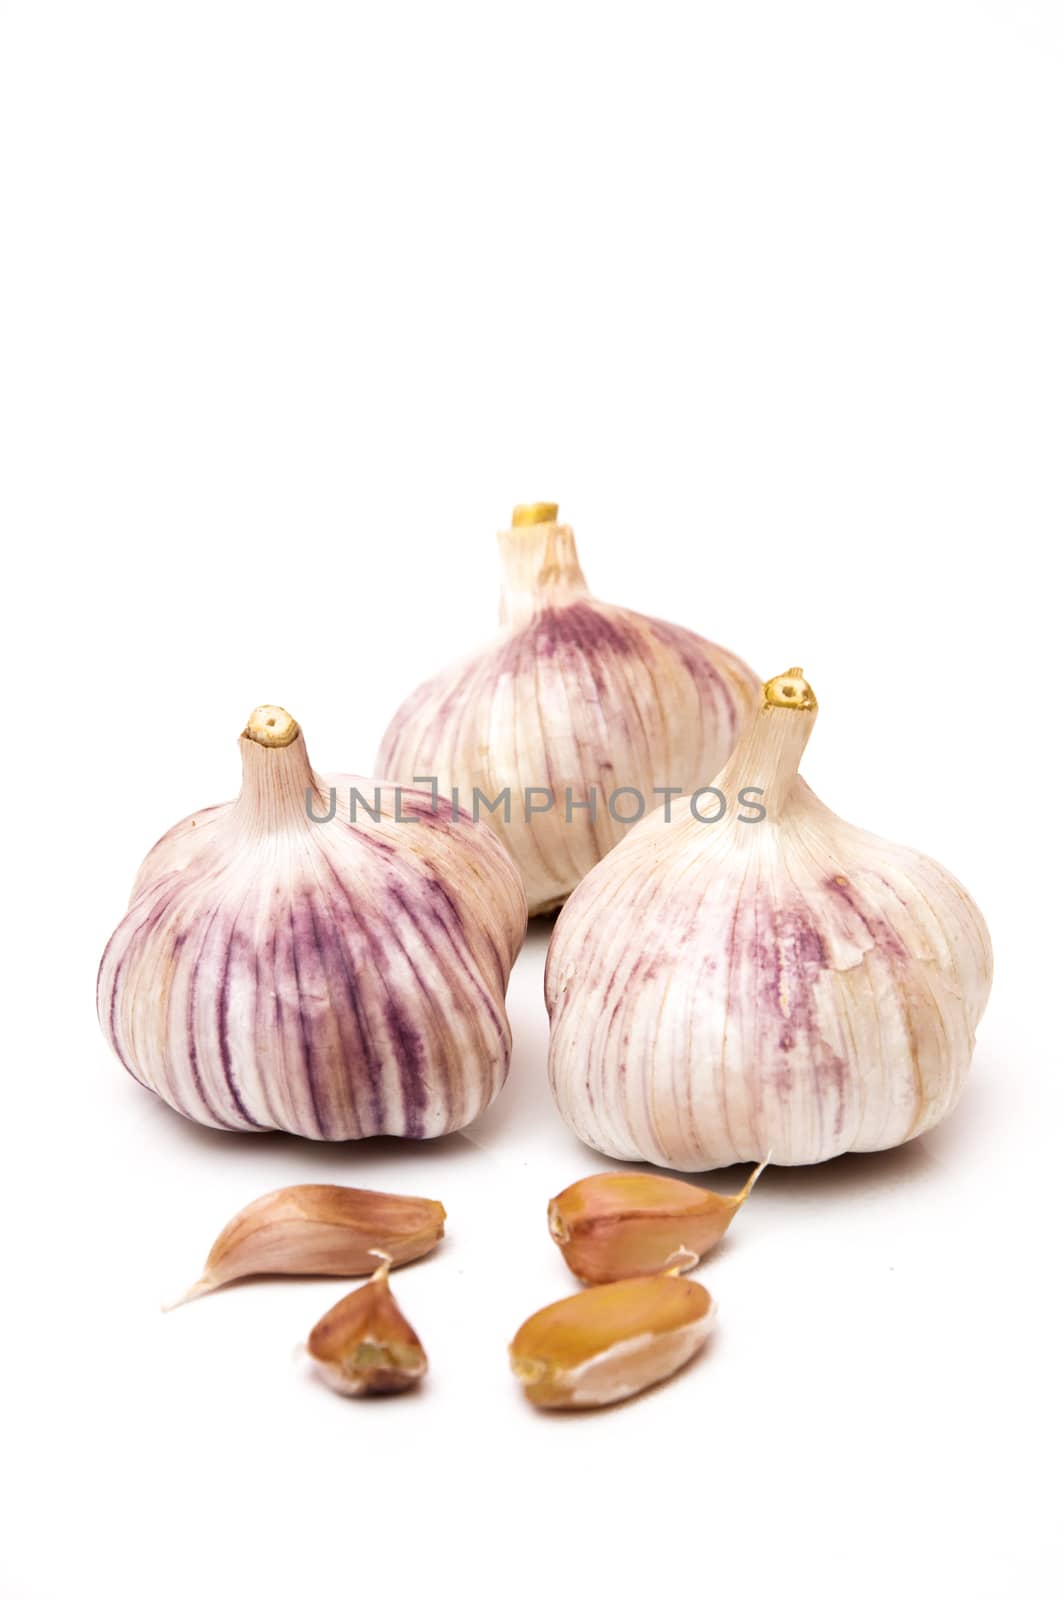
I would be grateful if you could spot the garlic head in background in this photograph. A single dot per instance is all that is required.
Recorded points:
(573, 701)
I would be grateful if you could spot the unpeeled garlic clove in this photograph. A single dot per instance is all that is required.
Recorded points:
(364, 1345)
(616, 1225)
(608, 1343)
(319, 1229)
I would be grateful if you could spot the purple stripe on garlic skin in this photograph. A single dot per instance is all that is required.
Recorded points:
(573, 695)
(795, 985)
(333, 980)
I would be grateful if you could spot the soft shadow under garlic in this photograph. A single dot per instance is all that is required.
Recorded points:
(311, 1159)
(844, 1176)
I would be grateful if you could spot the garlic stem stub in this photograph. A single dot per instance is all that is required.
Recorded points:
(319, 1230)
(560, 731)
(616, 1225)
(290, 962)
(610, 1342)
(365, 1345)
(789, 983)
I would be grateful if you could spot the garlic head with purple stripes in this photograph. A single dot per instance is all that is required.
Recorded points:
(765, 980)
(559, 732)
(330, 978)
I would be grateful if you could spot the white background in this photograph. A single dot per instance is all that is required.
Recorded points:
(297, 300)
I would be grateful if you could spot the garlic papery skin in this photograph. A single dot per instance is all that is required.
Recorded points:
(791, 984)
(574, 701)
(330, 979)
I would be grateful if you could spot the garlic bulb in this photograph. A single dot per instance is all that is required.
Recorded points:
(571, 720)
(329, 978)
(774, 980)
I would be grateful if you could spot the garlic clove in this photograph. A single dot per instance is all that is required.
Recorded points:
(784, 982)
(332, 978)
(616, 1225)
(575, 702)
(364, 1345)
(608, 1343)
(319, 1229)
